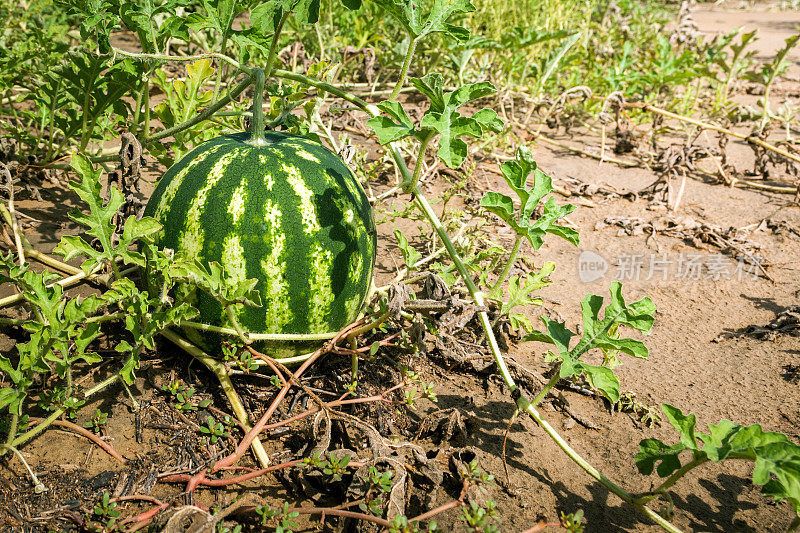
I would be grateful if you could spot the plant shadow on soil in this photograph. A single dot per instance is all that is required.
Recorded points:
(490, 421)
(725, 491)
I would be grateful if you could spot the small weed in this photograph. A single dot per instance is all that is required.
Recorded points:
(97, 422)
(474, 474)
(183, 396)
(378, 483)
(281, 519)
(336, 467)
(214, 430)
(481, 518)
(573, 522)
(106, 511)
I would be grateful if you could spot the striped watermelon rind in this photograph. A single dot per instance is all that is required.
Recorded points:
(288, 213)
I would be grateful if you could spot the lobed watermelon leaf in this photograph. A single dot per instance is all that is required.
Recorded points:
(516, 174)
(442, 117)
(213, 280)
(59, 332)
(420, 23)
(776, 458)
(520, 289)
(599, 333)
(145, 317)
(267, 16)
(100, 223)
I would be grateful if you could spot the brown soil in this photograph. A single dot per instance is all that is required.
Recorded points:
(740, 378)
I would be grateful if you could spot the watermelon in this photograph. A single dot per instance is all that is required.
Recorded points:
(287, 212)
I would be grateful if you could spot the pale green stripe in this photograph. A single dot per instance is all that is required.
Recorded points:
(236, 207)
(300, 151)
(192, 237)
(351, 305)
(320, 287)
(276, 299)
(172, 189)
(269, 181)
(307, 209)
(235, 268)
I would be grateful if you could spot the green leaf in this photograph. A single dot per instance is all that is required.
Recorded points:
(520, 37)
(501, 205)
(538, 336)
(418, 23)
(100, 223)
(99, 220)
(250, 38)
(394, 127)
(307, 11)
(432, 86)
(77, 310)
(638, 315)
(653, 451)
(84, 337)
(519, 290)
(728, 437)
(558, 333)
(520, 322)
(776, 458)
(554, 59)
(214, 281)
(536, 230)
(410, 255)
(11, 399)
(782, 460)
(603, 379)
(516, 173)
(72, 246)
(597, 333)
(135, 230)
(267, 16)
(443, 117)
(488, 120)
(683, 423)
(468, 93)
(13, 373)
(46, 298)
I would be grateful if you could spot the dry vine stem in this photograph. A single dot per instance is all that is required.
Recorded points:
(713, 127)
(537, 135)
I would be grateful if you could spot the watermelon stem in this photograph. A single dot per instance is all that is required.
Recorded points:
(372, 109)
(412, 46)
(523, 404)
(257, 130)
(196, 119)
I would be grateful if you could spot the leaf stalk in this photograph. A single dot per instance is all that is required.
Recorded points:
(412, 46)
